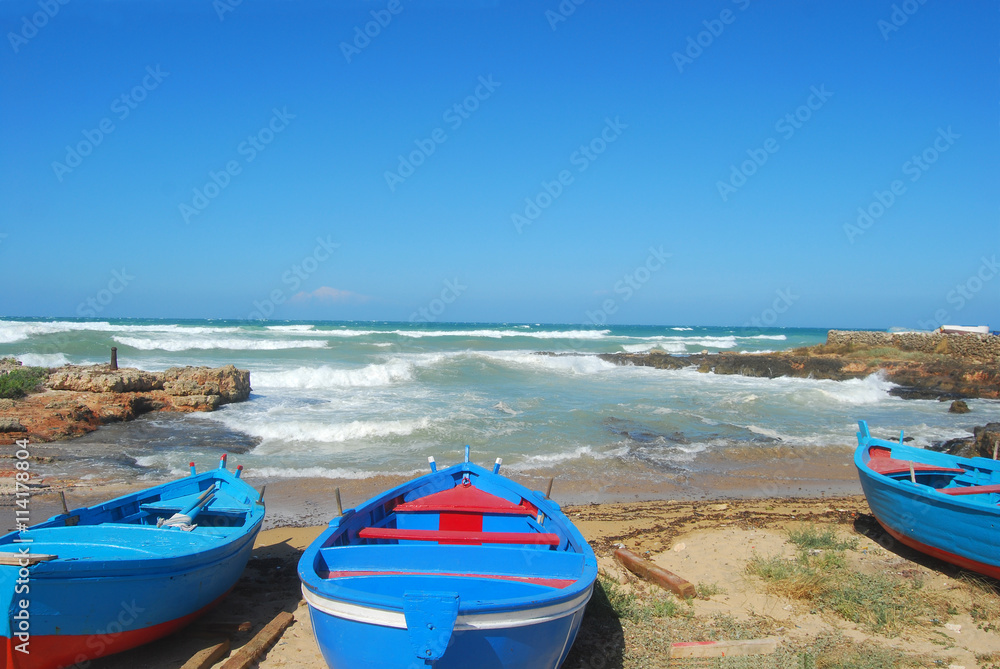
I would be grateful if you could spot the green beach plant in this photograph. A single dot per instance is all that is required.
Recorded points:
(880, 602)
(21, 381)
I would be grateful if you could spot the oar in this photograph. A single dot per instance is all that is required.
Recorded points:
(183, 518)
(200, 505)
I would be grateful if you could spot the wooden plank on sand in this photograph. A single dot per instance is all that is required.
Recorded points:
(258, 645)
(206, 657)
(724, 648)
(649, 571)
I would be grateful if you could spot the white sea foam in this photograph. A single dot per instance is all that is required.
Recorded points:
(504, 408)
(43, 359)
(665, 346)
(680, 343)
(188, 342)
(290, 328)
(571, 364)
(767, 432)
(497, 334)
(547, 459)
(870, 390)
(681, 329)
(326, 472)
(12, 331)
(326, 376)
(299, 430)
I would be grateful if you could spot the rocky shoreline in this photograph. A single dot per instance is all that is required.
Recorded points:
(77, 399)
(943, 375)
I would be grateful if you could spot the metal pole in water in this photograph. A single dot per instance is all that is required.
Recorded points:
(340, 507)
(114, 358)
(496, 465)
(260, 500)
(548, 490)
(62, 498)
(432, 463)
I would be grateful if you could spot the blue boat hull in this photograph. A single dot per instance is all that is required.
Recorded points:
(946, 508)
(351, 644)
(120, 580)
(459, 568)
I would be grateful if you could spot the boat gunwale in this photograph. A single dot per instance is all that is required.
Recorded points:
(138, 566)
(307, 568)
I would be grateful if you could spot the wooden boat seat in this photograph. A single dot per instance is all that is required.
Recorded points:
(881, 461)
(970, 490)
(460, 536)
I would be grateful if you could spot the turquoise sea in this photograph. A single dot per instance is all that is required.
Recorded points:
(350, 400)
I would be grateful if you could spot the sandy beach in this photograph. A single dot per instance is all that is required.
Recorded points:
(708, 539)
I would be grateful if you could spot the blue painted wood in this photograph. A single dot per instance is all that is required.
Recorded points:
(940, 514)
(517, 606)
(117, 573)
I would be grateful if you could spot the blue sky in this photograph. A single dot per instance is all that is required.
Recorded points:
(636, 162)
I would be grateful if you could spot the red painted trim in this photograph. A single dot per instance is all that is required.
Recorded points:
(970, 490)
(885, 465)
(559, 583)
(55, 651)
(465, 499)
(534, 538)
(461, 522)
(963, 562)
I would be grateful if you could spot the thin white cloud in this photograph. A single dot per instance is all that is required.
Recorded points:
(330, 295)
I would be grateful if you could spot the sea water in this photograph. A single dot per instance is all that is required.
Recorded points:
(357, 399)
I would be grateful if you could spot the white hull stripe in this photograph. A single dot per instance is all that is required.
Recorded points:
(476, 621)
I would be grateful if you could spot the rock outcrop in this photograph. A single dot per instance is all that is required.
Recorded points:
(984, 442)
(79, 399)
(937, 377)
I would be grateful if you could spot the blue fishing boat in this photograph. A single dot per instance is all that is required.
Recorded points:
(939, 504)
(102, 579)
(461, 567)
